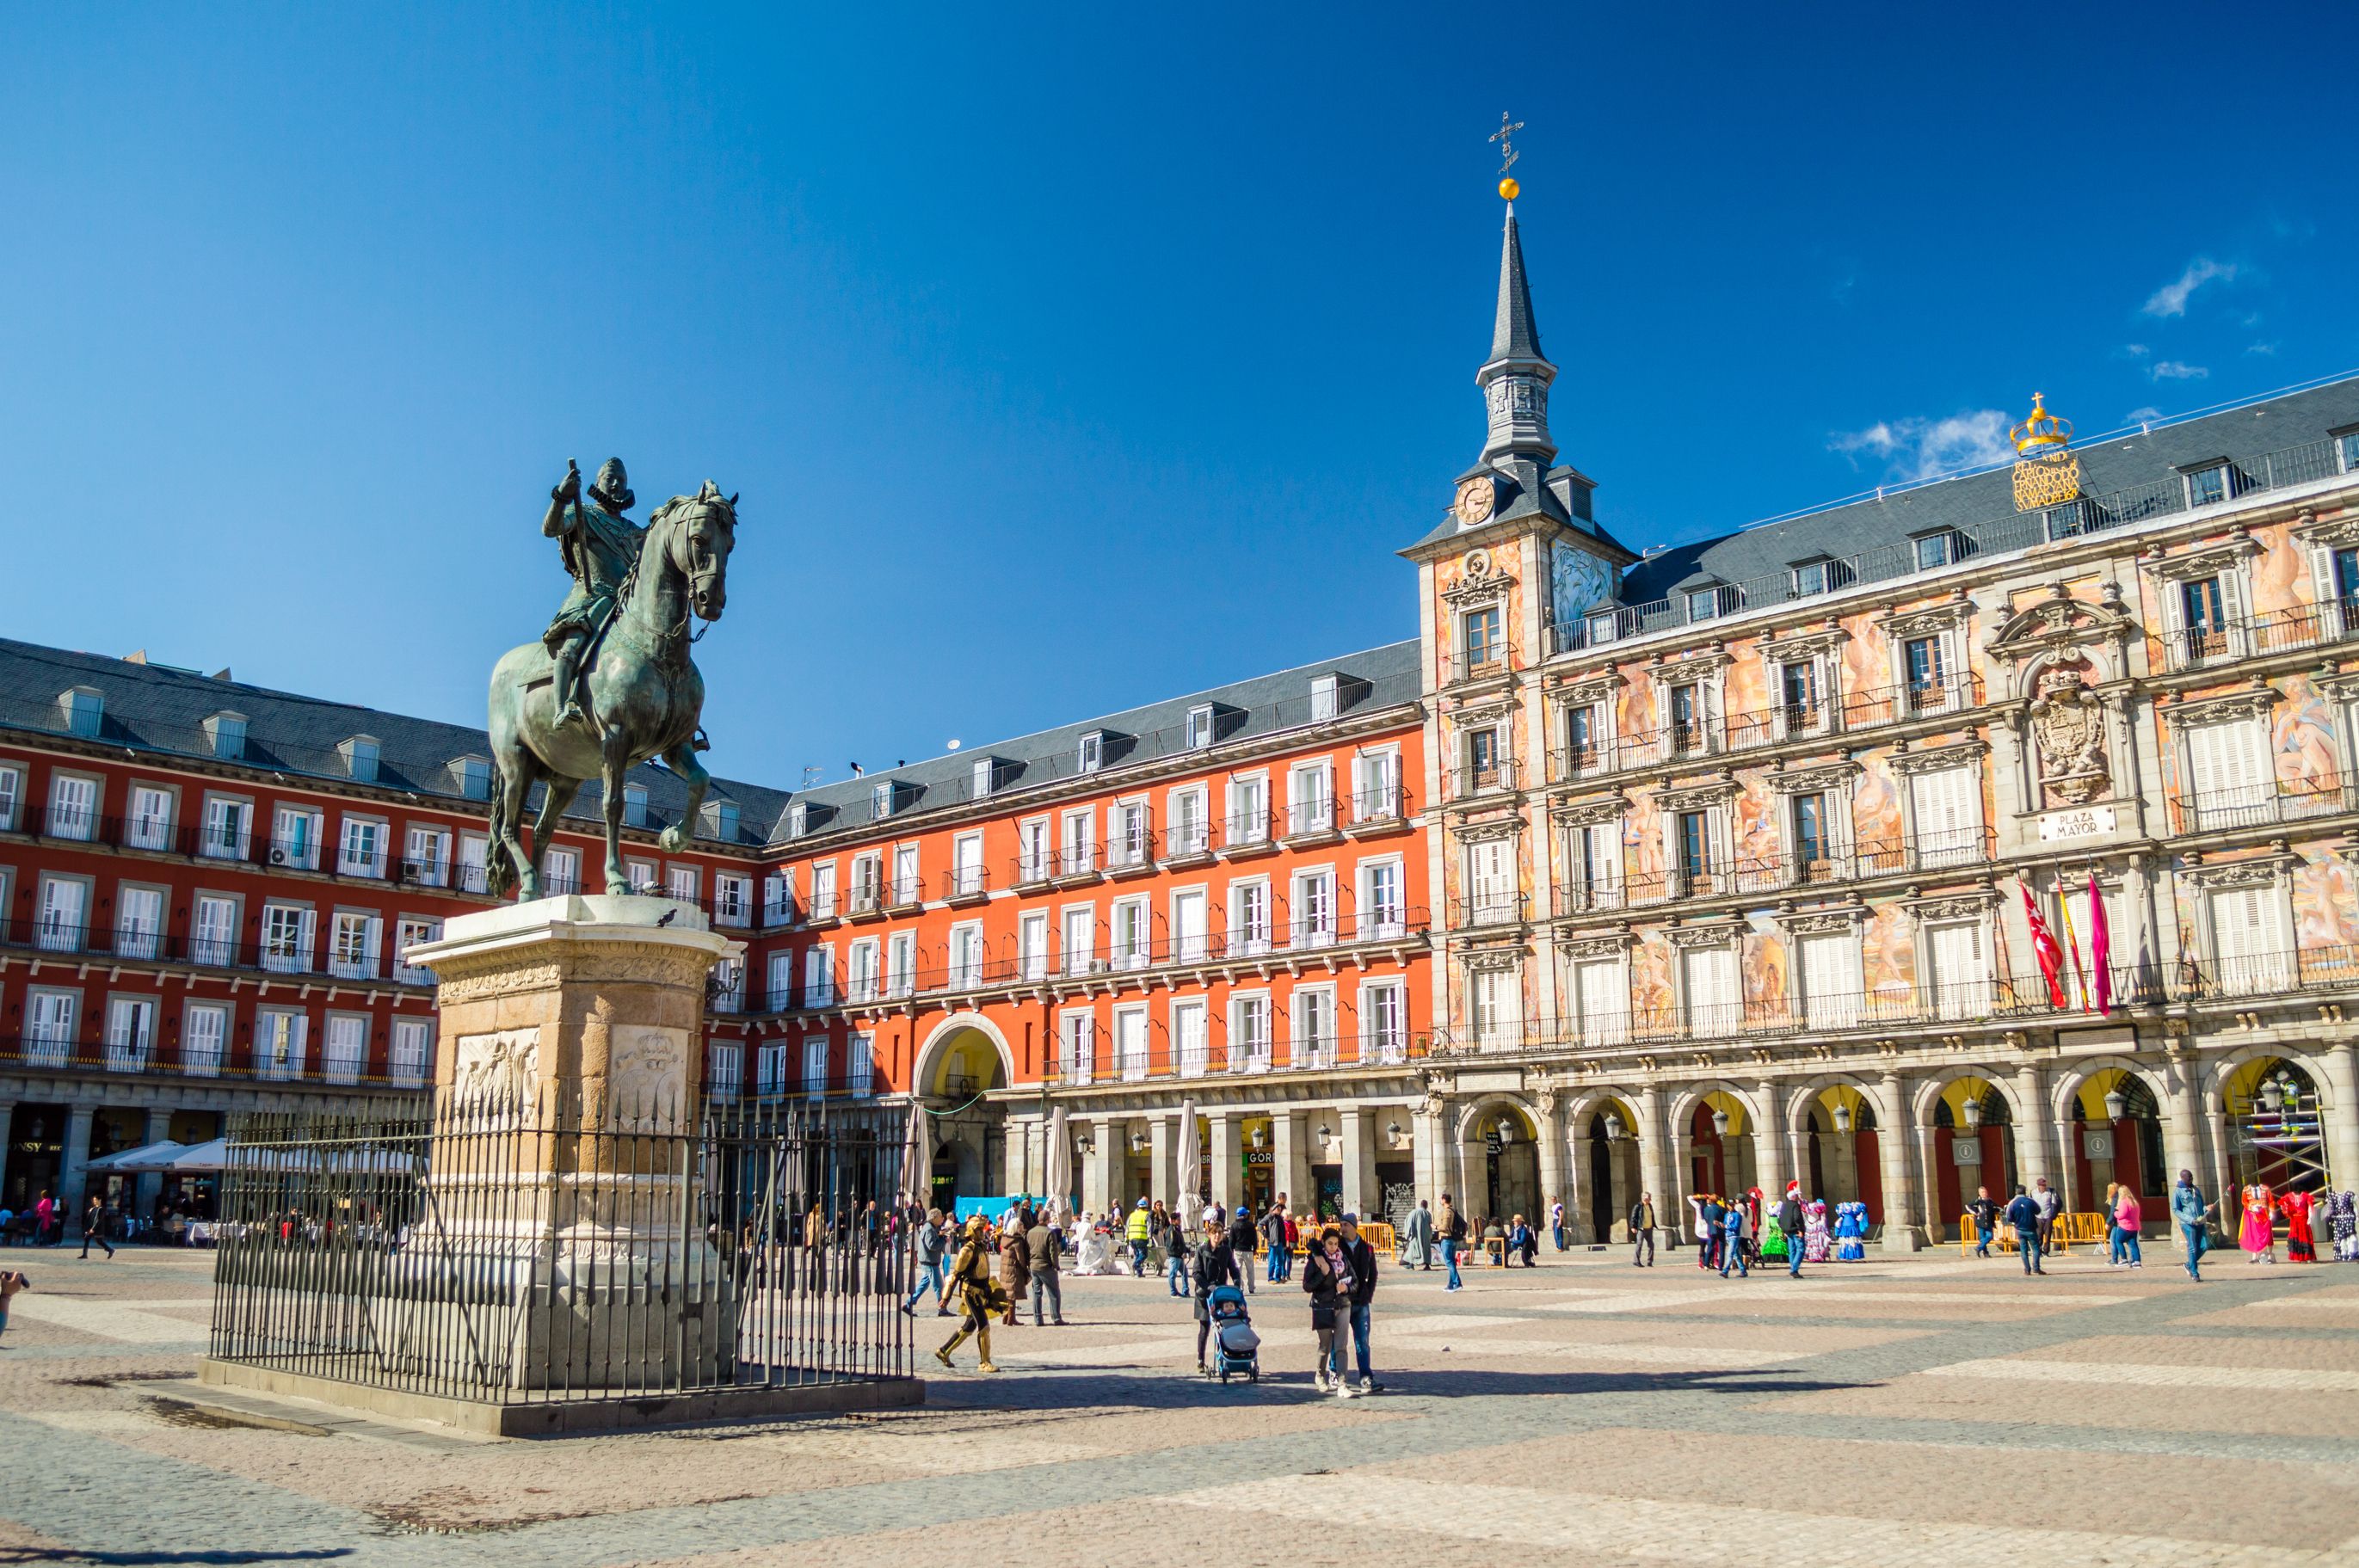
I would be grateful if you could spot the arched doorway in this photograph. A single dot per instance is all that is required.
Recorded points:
(1974, 1146)
(1845, 1154)
(957, 1068)
(1508, 1144)
(2276, 1126)
(1721, 1145)
(1611, 1152)
(2118, 1135)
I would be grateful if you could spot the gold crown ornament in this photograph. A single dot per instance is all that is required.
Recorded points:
(2046, 472)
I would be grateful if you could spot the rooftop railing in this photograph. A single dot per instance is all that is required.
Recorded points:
(2001, 533)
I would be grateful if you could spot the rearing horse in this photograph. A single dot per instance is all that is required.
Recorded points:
(646, 698)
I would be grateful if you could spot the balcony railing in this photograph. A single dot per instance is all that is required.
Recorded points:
(2255, 806)
(1475, 910)
(1129, 852)
(1471, 779)
(905, 893)
(98, 1053)
(1387, 806)
(1311, 818)
(1456, 666)
(1782, 870)
(1185, 843)
(962, 883)
(2257, 636)
(1219, 1057)
(1247, 833)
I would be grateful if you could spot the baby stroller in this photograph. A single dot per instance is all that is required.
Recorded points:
(1236, 1347)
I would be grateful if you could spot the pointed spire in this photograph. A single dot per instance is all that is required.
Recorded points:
(1515, 336)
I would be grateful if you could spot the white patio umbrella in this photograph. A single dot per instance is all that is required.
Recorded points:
(1061, 1168)
(917, 1158)
(1184, 1206)
(210, 1155)
(147, 1157)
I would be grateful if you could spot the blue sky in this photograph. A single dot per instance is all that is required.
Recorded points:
(1067, 362)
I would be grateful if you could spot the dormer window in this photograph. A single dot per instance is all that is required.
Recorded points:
(1324, 699)
(1199, 726)
(721, 820)
(880, 800)
(1940, 549)
(2207, 485)
(474, 777)
(1824, 576)
(798, 820)
(1710, 603)
(1092, 753)
(360, 758)
(634, 805)
(2346, 451)
(83, 708)
(984, 771)
(226, 734)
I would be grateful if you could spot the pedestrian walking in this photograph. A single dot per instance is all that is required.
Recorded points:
(927, 1246)
(1789, 1226)
(12, 1280)
(2189, 1211)
(2023, 1213)
(93, 1228)
(1044, 1247)
(1016, 1262)
(1453, 1237)
(814, 1249)
(979, 1299)
(1327, 1280)
(1273, 1236)
(1417, 1250)
(1642, 1232)
(1212, 1263)
(1984, 1209)
(2128, 1220)
(2051, 1203)
(1732, 1242)
(1135, 1231)
(1556, 1222)
(1241, 1233)
(44, 1212)
(1363, 1261)
(1176, 1246)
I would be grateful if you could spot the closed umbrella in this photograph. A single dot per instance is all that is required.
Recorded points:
(1184, 1205)
(1061, 1168)
(917, 1158)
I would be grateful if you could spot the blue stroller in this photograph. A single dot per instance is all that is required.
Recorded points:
(1236, 1347)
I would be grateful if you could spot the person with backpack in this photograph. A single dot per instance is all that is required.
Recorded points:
(926, 1248)
(1453, 1237)
(1241, 1247)
(1789, 1226)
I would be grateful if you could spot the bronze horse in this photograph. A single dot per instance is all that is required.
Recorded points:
(646, 698)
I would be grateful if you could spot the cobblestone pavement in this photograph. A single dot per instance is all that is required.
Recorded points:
(1889, 1413)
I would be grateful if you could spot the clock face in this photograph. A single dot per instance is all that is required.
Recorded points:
(1475, 499)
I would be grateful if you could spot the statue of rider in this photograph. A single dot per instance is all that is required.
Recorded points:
(601, 546)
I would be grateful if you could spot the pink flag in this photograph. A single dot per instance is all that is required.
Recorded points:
(2100, 948)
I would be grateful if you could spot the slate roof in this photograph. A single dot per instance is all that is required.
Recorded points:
(2128, 477)
(1266, 704)
(157, 708)
(1515, 335)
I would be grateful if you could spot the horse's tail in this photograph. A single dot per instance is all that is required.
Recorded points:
(499, 870)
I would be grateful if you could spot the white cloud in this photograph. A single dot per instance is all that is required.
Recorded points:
(2179, 370)
(2171, 299)
(2261, 348)
(2140, 415)
(1923, 449)
(2136, 351)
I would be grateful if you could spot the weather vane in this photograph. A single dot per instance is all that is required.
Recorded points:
(1507, 128)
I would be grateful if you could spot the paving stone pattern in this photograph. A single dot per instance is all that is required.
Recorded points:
(1927, 1410)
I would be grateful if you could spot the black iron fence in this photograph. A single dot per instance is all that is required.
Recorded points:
(490, 1249)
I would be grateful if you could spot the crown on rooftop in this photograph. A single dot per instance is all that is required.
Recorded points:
(2042, 433)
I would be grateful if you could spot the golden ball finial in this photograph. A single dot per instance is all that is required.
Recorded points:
(1509, 190)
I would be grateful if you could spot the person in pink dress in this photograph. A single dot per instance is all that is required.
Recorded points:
(2302, 1245)
(2259, 1237)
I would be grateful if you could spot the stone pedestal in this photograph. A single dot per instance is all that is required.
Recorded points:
(566, 1092)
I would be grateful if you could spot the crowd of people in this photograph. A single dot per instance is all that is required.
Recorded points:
(1741, 1232)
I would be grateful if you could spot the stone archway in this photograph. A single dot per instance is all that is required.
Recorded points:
(1602, 1137)
(1498, 1138)
(1970, 1117)
(2103, 1149)
(962, 1061)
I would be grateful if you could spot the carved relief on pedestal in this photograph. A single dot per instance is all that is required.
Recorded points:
(2068, 724)
(647, 1068)
(500, 1068)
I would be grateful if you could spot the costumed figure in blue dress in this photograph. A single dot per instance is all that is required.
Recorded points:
(1851, 1232)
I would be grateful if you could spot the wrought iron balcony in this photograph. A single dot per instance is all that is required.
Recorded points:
(1469, 780)
(1477, 910)
(2255, 806)
(2257, 636)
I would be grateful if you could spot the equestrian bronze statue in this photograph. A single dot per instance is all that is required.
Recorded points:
(610, 684)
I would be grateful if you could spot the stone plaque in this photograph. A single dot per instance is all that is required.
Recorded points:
(1965, 1151)
(1511, 1081)
(649, 1067)
(2088, 822)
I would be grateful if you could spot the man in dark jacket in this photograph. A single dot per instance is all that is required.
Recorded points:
(1642, 1232)
(2023, 1213)
(1273, 1231)
(1046, 1244)
(1362, 1259)
(1985, 1212)
(1241, 1245)
(1790, 1223)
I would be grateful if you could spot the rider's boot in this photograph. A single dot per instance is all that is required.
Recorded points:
(569, 704)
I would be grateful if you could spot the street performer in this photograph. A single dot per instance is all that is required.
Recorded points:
(600, 546)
